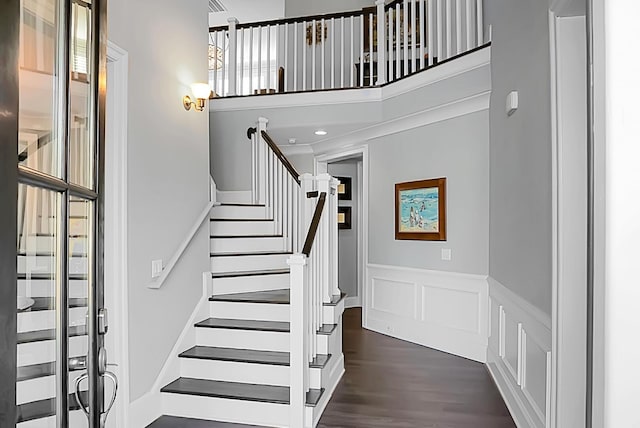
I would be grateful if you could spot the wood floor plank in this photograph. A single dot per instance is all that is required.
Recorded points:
(392, 383)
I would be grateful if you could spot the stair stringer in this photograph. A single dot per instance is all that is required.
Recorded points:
(148, 408)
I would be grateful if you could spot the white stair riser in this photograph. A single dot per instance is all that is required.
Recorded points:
(41, 388)
(77, 419)
(230, 211)
(332, 314)
(324, 346)
(47, 288)
(48, 244)
(234, 196)
(245, 245)
(228, 228)
(226, 410)
(231, 371)
(45, 320)
(249, 311)
(45, 351)
(243, 339)
(245, 284)
(248, 263)
(47, 264)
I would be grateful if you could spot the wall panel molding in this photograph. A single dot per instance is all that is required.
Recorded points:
(524, 332)
(447, 311)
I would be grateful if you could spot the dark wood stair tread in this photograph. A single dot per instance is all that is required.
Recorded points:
(254, 325)
(245, 236)
(327, 329)
(240, 204)
(250, 273)
(42, 335)
(336, 299)
(49, 304)
(242, 219)
(177, 422)
(44, 408)
(271, 296)
(49, 276)
(237, 355)
(237, 391)
(248, 356)
(252, 253)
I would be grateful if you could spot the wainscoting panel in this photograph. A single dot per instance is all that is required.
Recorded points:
(519, 356)
(442, 310)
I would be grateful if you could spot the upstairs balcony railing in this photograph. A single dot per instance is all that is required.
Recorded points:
(369, 47)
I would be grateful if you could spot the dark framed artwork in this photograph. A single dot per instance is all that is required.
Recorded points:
(344, 188)
(344, 217)
(421, 210)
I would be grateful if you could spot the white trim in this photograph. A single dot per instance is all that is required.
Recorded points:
(116, 294)
(461, 107)
(533, 327)
(352, 302)
(407, 303)
(166, 270)
(296, 149)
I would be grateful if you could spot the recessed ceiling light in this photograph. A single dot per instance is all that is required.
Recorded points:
(321, 132)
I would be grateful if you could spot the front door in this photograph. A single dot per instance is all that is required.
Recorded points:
(52, 72)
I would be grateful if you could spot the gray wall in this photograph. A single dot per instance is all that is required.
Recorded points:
(457, 149)
(520, 224)
(167, 171)
(315, 7)
(348, 238)
(303, 163)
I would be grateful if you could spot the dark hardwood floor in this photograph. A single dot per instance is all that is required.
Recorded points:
(393, 383)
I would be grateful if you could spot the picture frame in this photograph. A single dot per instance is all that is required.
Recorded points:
(344, 217)
(344, 188)
(420, 210)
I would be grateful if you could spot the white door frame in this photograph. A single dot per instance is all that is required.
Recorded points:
(320, 166)
(116, 271)
(569, 209)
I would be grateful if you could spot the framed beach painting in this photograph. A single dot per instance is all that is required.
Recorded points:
(420, 210)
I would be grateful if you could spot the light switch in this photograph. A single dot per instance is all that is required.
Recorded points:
(156, 268)
(512, 103)
(446, 254)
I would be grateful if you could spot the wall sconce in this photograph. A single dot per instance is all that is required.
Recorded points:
(201, 91)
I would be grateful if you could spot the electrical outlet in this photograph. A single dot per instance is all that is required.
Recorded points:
(156, 268)
(446, 254)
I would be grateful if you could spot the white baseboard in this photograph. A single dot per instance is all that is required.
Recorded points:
(442, 310)
(519, 356)
(145, 410)
(352, 302)
(233, 196)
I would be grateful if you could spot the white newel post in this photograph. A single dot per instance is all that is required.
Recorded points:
(333, 245)
(298, 340)
(382, 63)
(233, 56)
(323, 237)
(262, 161)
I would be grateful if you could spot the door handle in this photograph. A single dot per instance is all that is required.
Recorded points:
(106, 374)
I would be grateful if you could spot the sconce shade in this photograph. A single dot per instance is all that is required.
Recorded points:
(201, 90)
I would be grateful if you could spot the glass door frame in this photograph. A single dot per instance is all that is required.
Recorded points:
(11, 175)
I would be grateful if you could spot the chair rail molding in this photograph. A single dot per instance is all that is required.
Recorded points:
(447, 311)
(519, 355)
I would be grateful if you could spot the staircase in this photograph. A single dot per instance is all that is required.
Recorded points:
(241, 368)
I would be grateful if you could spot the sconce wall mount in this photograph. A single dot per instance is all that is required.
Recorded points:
(202, 92)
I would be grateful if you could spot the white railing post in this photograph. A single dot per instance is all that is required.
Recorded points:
(298, 339)
(323, 238)
(382, 64)
(233, 52)
(332, 214)
(262, 162)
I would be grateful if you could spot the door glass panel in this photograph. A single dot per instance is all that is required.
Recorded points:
(80, 259)
(81, 162)
(39, 143)
(38, 281)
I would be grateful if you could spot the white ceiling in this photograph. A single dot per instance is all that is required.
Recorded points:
(247, 11)
(305, 134)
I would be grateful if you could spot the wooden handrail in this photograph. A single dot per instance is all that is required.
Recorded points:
(292, 20)
(315, 222)
(274, 147)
